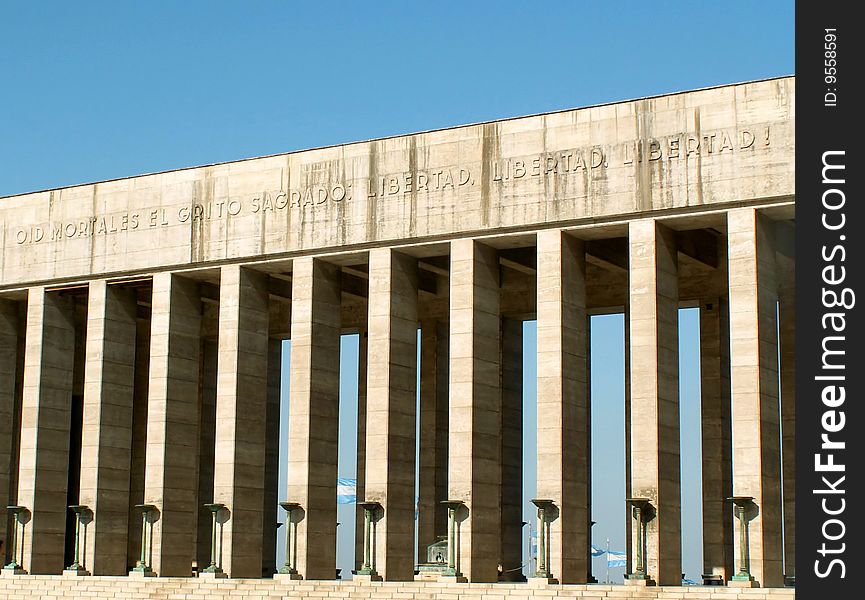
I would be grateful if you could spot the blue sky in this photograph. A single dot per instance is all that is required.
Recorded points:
(99, 90)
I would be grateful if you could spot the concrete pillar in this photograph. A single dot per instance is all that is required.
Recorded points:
(139, 439)
(563, 400)
(655, 471)
(241, 407)
(432, 479)
(474, 419)
(205, 449)
(271, 516)
(360, 459)
(511, 546)
(715, 431)
(314, 413)
(8, 377)
(171, 477)
(391, 408)
(629, 520)
(754, 374)
(787, 331)
(45, 421)
(106, 448)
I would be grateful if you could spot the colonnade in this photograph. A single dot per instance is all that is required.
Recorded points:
(177, 376)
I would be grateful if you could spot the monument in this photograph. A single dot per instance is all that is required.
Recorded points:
(142, 320)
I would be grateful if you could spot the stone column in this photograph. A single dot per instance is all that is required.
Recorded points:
(754, 374)
(654, 318)
(563, 401)
(45, 422)
(715, 431)
(139, 439)
(511, 547)
(106, 448)
(8, 378)
(360, 459)
(629, 520)
(171, 476)
(432, 480)
(270, 515)
(474, 420)
(391, 408)
(787, 331)
(314, 413)
(241, 408)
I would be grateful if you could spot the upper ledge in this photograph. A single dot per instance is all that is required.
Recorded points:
(390, 137)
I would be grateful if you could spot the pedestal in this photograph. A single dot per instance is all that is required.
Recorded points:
(641, 582)
(366, 577)
(12, 571)
(743, 583)
(141, 573)
(212, 575)
(75, 573)
(541, 581)
(453, 579)
(287, 577)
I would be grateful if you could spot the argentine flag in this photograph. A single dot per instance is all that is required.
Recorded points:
(616, 559)
(346, 490)
(597, 551)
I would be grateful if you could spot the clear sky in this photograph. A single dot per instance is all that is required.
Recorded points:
(99, 90)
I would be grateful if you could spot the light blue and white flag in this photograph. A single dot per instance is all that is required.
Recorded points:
(597, 551)
(616, 559)
(346, 490)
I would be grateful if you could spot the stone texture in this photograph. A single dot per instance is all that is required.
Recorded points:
(360, 464)
(171, 477)
(433, 429)
(272, 514)
(787, 339)
(563, 401)
(241, 408)
(474, 420)
(106, 450)
(717, 465)
(754, 374)
(391, 408)
(511, 545)
(314, 413)
(45, 422)
(653, 319)
(10, 331)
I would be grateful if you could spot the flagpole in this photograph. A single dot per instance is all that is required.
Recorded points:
(608, 560)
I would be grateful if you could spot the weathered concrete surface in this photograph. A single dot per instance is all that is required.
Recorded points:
(10, 333)
(106, 448)
(712, 147)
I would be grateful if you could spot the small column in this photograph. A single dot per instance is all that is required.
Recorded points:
(214, 569)
(654, 318)
(9, 324)
(715, 430)
(511, 552)
(83, 516)
(314, 413)
(563, 401)
(754, 375)
(289, 569)
(171, 476)
(106, 448)
(367, 571)
(45, 422)
(432, 480)
(391, 408)
(474, 425)
(241, 407)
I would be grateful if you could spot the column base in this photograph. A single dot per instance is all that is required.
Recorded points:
(75, 572)
(366, 577)
(743, 583)
(287, 577)
(12, 571)
(543, 581)
(639, 582)
(213, 575)
(453, 579)
(138, 573)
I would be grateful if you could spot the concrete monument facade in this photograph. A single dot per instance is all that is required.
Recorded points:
(141, 320)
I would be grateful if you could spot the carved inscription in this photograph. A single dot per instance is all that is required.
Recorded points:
(510, 170)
